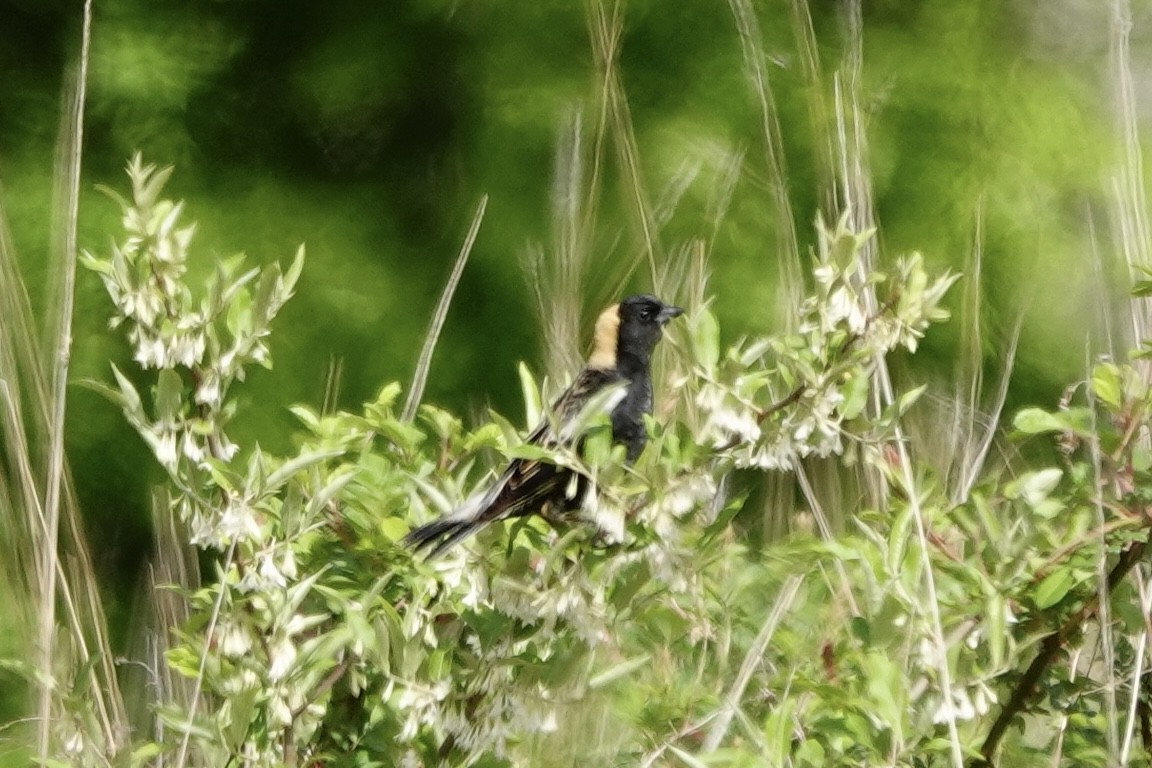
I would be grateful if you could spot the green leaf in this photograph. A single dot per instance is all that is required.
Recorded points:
(1034, 421)
(779, 729)
(143, 754)
(401, 434)
(622, 669)
(334, 486)
(886, 684)
(855, 394)
(997, 631)
(386, 398)
(909, 398)
(231, 288)
(241, 711)
(183, 660)
(264, 304)
(257, 473)
(298, 591)
(308, 417)
(810, 752)
(130, 401)
(487, 436)
(1054, 587)
(293, 273)
(1034, 487)
(169, 390)
(443, 423)
(533, 407)
(706, 339)
(393, 528)
(629, 583)
(388, 620)
(1141, 458)
(1107, 384)
(96, 264)
(898, 540)
(239, 319)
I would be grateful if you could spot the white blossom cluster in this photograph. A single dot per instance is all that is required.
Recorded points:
(733, 425)
(216, 528)
(487, 706)
(557, 610)
(776, 400)
(263, 643)
(197, 345)
(265, 656)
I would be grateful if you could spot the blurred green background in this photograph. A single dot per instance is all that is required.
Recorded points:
(369, 131)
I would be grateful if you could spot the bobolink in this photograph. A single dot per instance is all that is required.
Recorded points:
(626, 333)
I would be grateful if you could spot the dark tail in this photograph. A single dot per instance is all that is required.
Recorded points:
(439, 535)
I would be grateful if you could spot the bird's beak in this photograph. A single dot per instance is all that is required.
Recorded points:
(667, 313)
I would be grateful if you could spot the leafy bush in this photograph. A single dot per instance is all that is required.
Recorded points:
(650, 633)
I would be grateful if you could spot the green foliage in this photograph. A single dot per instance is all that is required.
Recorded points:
(904, 641)
(935, 626)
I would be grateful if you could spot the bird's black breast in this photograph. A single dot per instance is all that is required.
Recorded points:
(628, 416)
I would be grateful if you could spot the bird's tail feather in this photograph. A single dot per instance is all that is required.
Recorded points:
(439, 535)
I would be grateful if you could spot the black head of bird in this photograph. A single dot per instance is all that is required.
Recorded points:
(625, 335)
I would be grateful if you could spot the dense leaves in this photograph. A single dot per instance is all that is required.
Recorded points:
(647, 622)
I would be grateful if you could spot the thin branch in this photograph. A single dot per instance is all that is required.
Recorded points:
(420, 377)
(1050, 649)
(323, 687)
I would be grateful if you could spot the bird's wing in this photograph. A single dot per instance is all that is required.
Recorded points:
(593, 392)
(527, 484)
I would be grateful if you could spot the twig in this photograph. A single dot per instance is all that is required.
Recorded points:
(792, 398)
(323, 686)
(796, 394)
(420, 377)
(1050, 648)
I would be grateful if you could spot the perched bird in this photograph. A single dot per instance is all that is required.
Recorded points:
(626, 333)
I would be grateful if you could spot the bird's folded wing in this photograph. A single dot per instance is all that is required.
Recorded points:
(594, 392)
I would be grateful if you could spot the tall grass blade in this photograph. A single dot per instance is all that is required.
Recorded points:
(755, 70)
(606, 30)
(69, 180)
(1131, 201)
(856, 198)
(424, 364)
(752, 659)
(804, 34)
(557, 274)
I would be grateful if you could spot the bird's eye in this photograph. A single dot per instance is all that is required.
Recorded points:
(646, 313)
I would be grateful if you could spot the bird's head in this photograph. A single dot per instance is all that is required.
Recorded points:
(630, 330)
